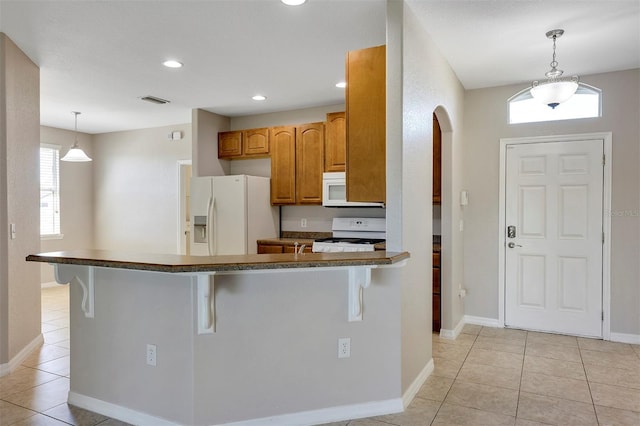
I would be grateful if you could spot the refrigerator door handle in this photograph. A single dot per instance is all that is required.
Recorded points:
(212, 227)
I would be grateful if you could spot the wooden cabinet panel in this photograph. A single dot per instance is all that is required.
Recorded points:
(335, 143)
(269, 248)
(255, 142)
(366, 124)
(283, 165)
(309, 163)
(292, 249)
(436, 313)
(436, 280)
(435, 277)
(229, 144)
(437, 161)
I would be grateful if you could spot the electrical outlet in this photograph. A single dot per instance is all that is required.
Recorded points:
(344, 347)
(303, 223)
(151, 355)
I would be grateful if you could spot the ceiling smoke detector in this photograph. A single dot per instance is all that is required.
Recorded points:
(154, 100)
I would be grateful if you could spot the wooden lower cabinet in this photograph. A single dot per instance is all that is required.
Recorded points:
(269, 248)
(436, 293)
(284, 248)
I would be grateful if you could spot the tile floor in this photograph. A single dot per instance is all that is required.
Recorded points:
(487, 376)
(36, 393)
(490, 376)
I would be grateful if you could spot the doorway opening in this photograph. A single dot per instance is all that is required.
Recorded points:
(437, 225)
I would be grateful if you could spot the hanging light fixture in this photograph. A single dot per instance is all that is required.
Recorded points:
(556, 89)
(75, 153)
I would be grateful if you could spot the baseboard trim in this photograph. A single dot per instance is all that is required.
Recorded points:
(21, 356)
(115, 411)
(487, 322)
(415, 386)
(325, 415)
(328, 415)
(452, 334)
(634, 339)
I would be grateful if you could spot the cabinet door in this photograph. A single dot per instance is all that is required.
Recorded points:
(366, 124)
(292, 249)
(437, 160)
(309, 163)
(229, 144)
(283, 165)
(255, 142)
(335, 142)
(268, 248)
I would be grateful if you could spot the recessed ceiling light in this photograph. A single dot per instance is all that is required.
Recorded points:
(259, 98)
(342, 84)
(172, 64)
(293, 2)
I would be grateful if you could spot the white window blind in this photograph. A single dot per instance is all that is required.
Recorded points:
(49, 190)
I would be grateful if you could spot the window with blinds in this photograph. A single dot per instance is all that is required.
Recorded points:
(49, 191)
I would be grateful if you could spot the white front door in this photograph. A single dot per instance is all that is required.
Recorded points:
(553, 260)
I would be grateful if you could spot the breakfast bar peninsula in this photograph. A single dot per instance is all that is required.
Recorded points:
(170, 339)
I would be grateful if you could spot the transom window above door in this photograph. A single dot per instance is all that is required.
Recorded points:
(585, 103)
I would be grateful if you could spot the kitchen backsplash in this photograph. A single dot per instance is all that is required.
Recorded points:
(318, 218)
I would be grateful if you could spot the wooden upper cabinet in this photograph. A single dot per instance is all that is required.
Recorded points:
(437, 161)
(283, 165)
(243, 143)
(229, 144)
(309, 163)
(366, 125)
(255, 142)
(335, 143)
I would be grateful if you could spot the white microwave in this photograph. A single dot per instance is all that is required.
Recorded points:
(334, 192)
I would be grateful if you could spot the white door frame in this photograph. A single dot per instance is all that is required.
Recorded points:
(181, 207)
(606, 218)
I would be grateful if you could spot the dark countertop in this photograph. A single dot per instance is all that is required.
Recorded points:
(173, 263)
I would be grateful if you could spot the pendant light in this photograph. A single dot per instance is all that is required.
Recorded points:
(556, 89)
(75, 153)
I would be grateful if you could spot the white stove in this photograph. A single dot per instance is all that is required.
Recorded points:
(352, 234)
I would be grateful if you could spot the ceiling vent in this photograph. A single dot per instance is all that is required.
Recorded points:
(154, 100)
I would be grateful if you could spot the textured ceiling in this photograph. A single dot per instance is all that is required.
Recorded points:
(100, 57)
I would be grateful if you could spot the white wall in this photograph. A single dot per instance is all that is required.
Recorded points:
(19, 195)
(76, 197)
(428, 82)
(136, 189)
(486, 122)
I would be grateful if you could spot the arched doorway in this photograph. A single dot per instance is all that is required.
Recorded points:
(447, 214)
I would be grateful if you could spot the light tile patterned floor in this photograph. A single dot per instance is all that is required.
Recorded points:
(36, 393)
(491, 376)
(487, 376)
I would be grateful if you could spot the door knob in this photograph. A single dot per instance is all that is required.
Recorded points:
(513, 245)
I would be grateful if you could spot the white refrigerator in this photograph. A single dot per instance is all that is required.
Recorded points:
(230, 213)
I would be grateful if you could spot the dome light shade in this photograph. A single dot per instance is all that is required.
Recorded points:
(553, 93)
(75, 153)
(556, 89)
